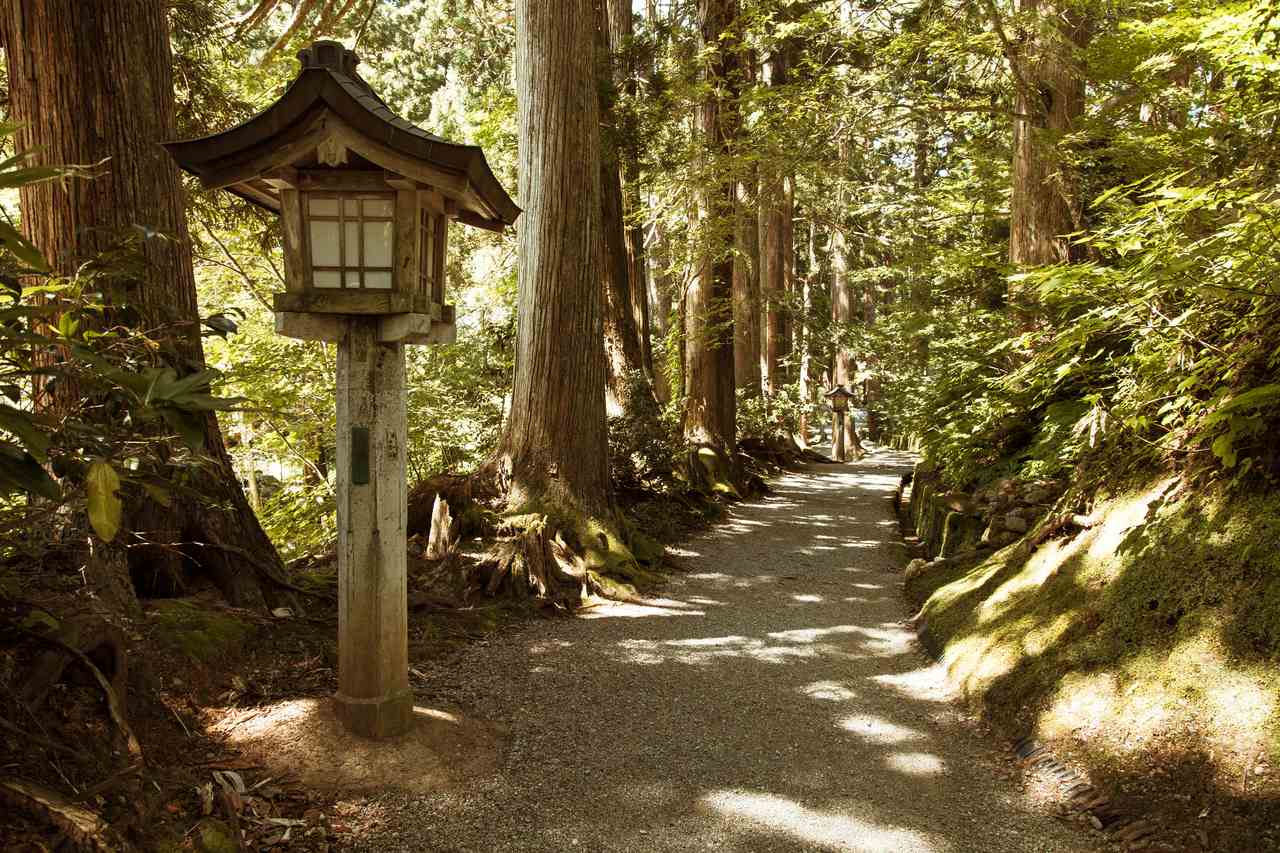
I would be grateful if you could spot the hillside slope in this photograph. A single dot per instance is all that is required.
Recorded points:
(1141, 642)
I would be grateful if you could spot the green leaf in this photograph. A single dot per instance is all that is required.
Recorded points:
(187, 424)
(102, 485)
(20, 472)
(1252, 398)
(158, 494)
(22, 426)
(1224, 449)
(22, 248)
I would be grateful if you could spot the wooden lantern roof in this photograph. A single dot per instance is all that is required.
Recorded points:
(839, 392)
(329, 117)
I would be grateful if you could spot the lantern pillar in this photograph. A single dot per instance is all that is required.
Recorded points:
(373, 697)
(839, 436)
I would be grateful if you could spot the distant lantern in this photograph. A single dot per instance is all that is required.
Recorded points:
(365, 200)
(839, 397)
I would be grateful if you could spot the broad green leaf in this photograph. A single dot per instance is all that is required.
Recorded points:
(102, 484)
(22, 248)
(20, 472)
(22, 426)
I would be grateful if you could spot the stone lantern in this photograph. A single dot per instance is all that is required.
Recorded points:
(839, 397)
(365, 200)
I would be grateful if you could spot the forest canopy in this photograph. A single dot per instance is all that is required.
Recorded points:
(1025, 235)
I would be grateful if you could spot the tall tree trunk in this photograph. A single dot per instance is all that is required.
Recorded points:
(624, 67)
(790, 282)
(710, 407)
(555, 444)
(1049, 101)
(748, 319)
(662, 296)
(804, 341)
(747, 323)
(844, 312)
(773, 279)
(628, 387)
(92, 81)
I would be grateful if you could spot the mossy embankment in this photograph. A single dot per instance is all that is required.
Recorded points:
(1142, 640)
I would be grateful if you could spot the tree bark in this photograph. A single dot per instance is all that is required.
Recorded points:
(773, 280)
(844, 312)
(1050, 98)
(747, 323)
(621, 30)
(710, 406)
(629, 391)
(92, 81)
(554, 448)
(803, 340)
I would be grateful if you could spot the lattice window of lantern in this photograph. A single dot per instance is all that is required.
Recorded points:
(351, 240)
(427, 246)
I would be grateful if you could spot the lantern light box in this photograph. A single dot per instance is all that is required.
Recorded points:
(364, 197)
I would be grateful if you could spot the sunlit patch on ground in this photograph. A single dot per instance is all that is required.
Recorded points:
(875, 729)
(916, 763)
(829, 691)
(772, 814)
(304, 738)
(922, 683)
(652, 607)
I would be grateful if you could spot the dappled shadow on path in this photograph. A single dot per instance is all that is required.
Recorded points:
(772, 699)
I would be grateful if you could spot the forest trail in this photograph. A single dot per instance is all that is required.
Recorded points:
(770, 700)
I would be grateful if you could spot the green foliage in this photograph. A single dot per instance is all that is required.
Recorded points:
(775, 416)
(1159, 347)
(642, 451)
(95, 407)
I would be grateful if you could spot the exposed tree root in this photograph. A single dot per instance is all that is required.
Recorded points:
(532, 561)
(564, 559)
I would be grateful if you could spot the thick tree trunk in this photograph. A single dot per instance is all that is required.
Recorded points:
(92, 81)
(555, 447)
(710, 407)
(1050, 100)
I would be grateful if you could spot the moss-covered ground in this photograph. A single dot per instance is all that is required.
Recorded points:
(204, 635)
(1146, 646)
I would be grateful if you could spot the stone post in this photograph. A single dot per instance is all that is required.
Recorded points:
(373, 697)
(838, 450)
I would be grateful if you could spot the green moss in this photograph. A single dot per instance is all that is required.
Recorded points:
(647, 549)
(323, 580)
(960, 531)
(214, 836)
(203, 635)
(1169, 603)
(477, 521)
(607, 554)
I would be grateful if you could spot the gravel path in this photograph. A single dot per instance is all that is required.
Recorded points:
(771, 701)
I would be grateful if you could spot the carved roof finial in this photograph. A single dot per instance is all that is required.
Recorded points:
(331, 55)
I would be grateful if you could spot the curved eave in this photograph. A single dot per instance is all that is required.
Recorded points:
(352, 102)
